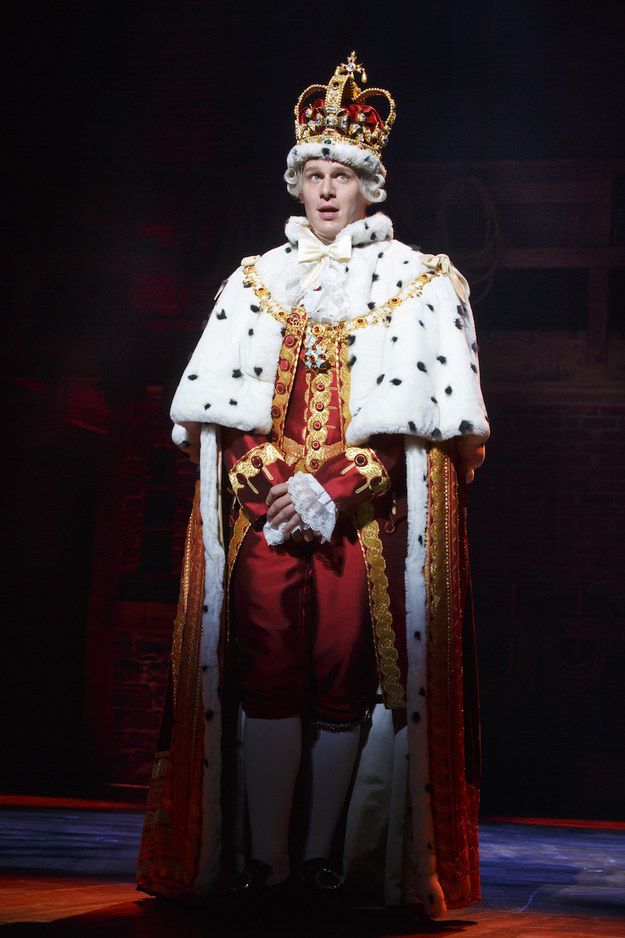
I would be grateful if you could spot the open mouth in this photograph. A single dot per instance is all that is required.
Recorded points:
(327, 212)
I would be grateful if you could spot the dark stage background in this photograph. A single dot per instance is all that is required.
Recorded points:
(145, 152)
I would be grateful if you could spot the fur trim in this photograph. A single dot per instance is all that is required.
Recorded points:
(346, 153)
(361, 231)
(418, 375)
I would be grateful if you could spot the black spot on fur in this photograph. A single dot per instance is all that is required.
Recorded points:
(185, 444)
(258, 371)
(417, 635)
(381, 254)
(460, 310)
(474, 346)
(191, 377)
(441, 359)
(412, 426)
(351, 338)
(222, 315)
(400, 283)
(288, 250)
(434, 401)
(206, 406)
(379, 379)
(374, 237)
(416, 717)
(375, 276)
(396, 381)
(422, 694)
(371, 305)
(204, 667)
(393, 338)
(466, 426)
(254, 308)
(351, 361)
(204, 608)
(474, 368)
(458, 323)
(325, 151)
(347, 270)
(421, 366)
(448, 389)
(237, 373)
(421, 323)
(366, 226)
(436, 434)
(420, 539)
(250, 332)
(429, 306)
(209, 714)
(233, 403)
(406, 262)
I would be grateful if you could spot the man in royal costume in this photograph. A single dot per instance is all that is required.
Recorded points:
(333, 404)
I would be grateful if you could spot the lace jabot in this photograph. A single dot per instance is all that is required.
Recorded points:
(319, 281)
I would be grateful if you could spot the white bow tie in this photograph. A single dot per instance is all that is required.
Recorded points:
(311, 249)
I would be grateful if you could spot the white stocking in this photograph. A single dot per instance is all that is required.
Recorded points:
(332, 761)
(273, 750)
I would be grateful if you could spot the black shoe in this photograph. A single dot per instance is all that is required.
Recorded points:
(249, 895)
(250, 881)
(318, 875)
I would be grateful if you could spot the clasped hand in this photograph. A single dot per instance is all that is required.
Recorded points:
(281, 509)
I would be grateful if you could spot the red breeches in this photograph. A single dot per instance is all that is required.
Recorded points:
(303, 628)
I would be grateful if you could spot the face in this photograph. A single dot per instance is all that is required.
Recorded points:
(331, 197)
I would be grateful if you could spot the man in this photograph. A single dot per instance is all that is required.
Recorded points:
(334, 400)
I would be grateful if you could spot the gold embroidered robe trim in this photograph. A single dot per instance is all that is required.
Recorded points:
(171, 836)
(454, 797)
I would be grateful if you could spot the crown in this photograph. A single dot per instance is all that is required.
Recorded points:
(336, 113)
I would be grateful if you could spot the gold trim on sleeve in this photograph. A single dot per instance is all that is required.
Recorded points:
(366, 462)
(254, 462)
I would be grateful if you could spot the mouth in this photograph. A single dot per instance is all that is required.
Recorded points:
(327, 211)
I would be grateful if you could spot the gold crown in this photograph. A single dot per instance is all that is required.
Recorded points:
(336, 112)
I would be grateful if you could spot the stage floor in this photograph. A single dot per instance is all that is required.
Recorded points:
(70, 871)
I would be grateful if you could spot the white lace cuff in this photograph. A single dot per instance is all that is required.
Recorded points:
(274, 536)
(313, 504)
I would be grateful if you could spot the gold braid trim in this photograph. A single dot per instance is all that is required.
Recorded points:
(380, 314)
(241, 527)
(366, 462)
(454, 799)
(170, 843)
(380, 607)
(254, 462)
(287, 366)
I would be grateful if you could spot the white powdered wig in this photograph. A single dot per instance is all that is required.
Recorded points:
(370, 171)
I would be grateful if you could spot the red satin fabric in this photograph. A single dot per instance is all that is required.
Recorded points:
(304, 639)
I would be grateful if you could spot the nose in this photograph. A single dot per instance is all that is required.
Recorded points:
(327, 188)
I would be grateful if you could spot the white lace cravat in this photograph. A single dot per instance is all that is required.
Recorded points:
(310, 250)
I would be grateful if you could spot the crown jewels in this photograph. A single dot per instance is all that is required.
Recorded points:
(337, 113)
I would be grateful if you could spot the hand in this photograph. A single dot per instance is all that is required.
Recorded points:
(281, 508)
(472, 450)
